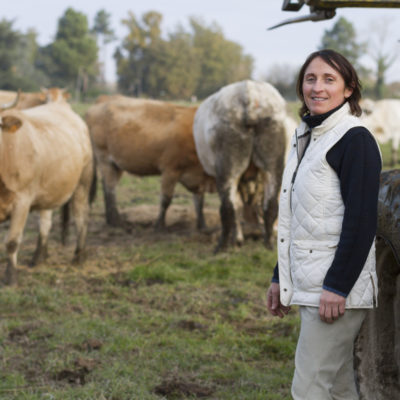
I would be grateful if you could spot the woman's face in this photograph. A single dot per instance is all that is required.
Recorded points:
(323, 87)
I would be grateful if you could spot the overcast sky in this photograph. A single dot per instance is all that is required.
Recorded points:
(243, 21)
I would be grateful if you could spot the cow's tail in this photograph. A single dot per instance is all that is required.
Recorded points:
(93, 186)
(65, 210)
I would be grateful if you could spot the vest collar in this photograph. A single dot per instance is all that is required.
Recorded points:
(328, 123)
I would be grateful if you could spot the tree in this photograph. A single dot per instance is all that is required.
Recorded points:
(221, 61)
(138, 51)
(175, 70)
(105, 35)
(381, 53)
(185, 63)
(9, 42)
(343, 39)
(283, 77)
(71, 60)
(18, 54)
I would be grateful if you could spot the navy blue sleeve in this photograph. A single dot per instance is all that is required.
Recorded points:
(357, 161)
(275, 276)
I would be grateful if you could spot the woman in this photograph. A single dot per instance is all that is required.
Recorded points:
(326, 229)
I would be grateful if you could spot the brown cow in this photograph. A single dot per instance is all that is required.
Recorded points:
(45, 160)
(146, 137)
(28, 100)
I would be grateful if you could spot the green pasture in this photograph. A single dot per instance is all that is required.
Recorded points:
(147, 316)
(175, 323)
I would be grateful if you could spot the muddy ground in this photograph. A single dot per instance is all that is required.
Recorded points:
(138, 229)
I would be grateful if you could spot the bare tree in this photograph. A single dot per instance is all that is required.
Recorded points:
(105, 34)
(382, 49)
(283, 77)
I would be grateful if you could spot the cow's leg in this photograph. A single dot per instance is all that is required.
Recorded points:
(230, 224)
(18, 219)
(270, 207)
(80, 211)
(237, 233)
(111, 175)
(233, 158)
(45, 221)
(198, 199)
(268, 155)
(168, 181)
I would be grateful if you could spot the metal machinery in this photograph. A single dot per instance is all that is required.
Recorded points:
(326, 9)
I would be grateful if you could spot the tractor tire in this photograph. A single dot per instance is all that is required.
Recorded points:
(377, 350)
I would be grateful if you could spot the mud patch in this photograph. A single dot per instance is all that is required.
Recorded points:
(91, 344)
(19, 332)
(77, 375)
(190, 325)
(174, 387)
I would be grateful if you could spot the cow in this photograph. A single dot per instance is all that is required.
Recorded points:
(147, 137)
(108, 97)
(290, 129)
(45, 161)
(242, 127)
(24, 100)
(382, 118)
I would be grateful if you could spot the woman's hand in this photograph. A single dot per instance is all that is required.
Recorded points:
(331, 306)
(274, 304)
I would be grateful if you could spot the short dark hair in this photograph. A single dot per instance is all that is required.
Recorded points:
(345, 69)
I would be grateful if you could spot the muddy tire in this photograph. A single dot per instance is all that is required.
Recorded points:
(378, 345)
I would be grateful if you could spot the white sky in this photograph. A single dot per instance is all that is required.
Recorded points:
(243, 21)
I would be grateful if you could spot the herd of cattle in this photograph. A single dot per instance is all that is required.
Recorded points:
(235, 141)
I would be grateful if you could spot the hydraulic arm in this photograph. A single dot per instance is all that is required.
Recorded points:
(326, 9)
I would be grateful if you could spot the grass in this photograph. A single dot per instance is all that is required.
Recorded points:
(147, 316)
(176, 324)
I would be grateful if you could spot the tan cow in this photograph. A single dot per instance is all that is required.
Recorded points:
(146, 137)
(28, 100)
(45, 161)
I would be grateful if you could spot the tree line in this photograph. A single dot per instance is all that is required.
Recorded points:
(343, 38)
(184, 63)
(187, 62)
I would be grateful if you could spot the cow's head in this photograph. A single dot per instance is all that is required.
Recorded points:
(55, 94)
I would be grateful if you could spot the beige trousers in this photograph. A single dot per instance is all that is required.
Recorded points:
(324, 356)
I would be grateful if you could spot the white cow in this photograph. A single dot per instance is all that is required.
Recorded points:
(239, 130)
(382, 118)
(290, 130)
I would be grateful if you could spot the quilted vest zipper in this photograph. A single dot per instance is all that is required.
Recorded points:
(299, 159)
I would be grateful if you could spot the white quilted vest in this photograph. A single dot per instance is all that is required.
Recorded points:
(310, 219)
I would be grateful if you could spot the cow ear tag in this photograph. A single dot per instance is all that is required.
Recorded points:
(10, 124)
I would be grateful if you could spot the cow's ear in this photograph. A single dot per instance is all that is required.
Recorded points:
(10, 124)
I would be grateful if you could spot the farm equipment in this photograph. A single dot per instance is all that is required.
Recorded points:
(326, 9)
